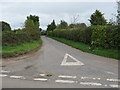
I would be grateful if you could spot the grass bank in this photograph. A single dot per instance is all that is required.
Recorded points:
(110, 53)
(13, 51)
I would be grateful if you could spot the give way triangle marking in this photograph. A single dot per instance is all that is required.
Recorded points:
(65, 63)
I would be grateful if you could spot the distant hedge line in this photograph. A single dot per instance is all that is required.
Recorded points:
(99, 36)
(12, 38)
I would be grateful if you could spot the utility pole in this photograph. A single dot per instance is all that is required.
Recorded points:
(118, 16)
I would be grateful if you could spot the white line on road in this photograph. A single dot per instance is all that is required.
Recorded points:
(42, 75)
(3, 75)
(90, 78)
(114, 80)
(85, 77)
(65, 63)
(64, 76)
(65, 81)
(18, 77)
(105, 85)
(110, 73)
(114, 86)
(3, 71)
(40, 79)
(90, 83)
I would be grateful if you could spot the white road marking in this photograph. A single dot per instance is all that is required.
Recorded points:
(3, 75)
(114, 86)
(94, 78)
(110, 73)
(117, 80)
(42, 75)
(98, 78)
(90, 78)
(105, 85)
(90, 83)
(3, 71)
(18, 77)
(40, 79)
(64, 81)
(65, 63)
(63, 76)
(85, 77)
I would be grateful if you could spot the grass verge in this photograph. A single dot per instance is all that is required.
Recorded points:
(13, 51)
(110, 53)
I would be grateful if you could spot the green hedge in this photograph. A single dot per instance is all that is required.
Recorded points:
(106, 36)
(75, 34)
(11, 38)
(99, 36)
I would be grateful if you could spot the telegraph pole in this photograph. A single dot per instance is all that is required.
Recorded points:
(118, 16)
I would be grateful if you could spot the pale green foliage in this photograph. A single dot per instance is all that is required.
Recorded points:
(29, 24)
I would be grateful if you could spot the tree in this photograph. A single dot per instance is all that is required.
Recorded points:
(32, 23)
(111, 22)
(52, 26)
(75, 19)
(34, 18)
(97, 18)
(40, 29)
(63, 24)
(49, 27)
(77, 25)
(32, 27)
(5, 26)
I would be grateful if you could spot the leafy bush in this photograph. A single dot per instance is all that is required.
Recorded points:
(99, 35)
(11, 38)
(106, 36)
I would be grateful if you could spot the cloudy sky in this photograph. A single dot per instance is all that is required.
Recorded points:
(15, 13)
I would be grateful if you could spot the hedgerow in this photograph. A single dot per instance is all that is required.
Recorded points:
(75, 34)
(11, 38)
(99, 35)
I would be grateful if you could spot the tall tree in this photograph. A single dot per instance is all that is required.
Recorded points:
(5, 26)
(52, 26)
(63, 24)
(34, 18)
(32, 22)
(97, 18)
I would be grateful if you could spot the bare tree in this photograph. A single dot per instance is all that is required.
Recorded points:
(75, 18)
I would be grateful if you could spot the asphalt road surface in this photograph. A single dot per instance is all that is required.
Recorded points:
(57, 65)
